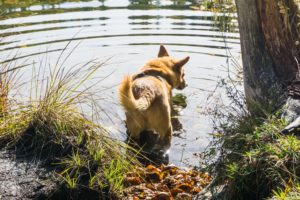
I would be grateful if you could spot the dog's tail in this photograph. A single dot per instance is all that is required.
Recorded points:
(127, 99)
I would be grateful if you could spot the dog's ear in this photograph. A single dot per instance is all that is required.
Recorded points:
(179, 64)
(162, 51)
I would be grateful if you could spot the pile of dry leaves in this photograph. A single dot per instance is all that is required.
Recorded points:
(164, 183)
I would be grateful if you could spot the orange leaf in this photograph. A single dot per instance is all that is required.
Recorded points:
(185, 187)
(175, 191)
(132, 181)
(195, 190)
(135, 198)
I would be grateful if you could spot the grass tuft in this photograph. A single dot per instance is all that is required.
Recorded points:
(254, 160)
(51, 128)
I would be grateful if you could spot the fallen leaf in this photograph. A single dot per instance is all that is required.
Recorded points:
(185, 187)
(195, 190)
(153, 176)
(184, 196)
(135, 198)
(175, 191)
(163, 196)
(129, 181)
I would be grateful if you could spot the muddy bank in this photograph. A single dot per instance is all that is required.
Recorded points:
(29, 178)
(24, 178)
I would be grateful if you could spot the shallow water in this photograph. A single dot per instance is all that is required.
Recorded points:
(129, 33)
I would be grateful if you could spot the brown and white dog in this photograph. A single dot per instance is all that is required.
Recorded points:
(146, 96)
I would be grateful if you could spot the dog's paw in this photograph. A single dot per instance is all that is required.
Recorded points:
(160, 150)
(157, 147)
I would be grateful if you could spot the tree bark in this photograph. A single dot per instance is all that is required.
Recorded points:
(279, 25)
(270, 50)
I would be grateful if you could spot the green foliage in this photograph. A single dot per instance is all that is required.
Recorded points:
(249, 157)
(256, 160)
(179, 100)
(290, 192)
(71, 182)
(224, 13)
(114, 173)
(219, 5)
(50, 128)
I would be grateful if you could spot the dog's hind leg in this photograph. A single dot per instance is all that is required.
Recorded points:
(135, 125)
(165, 139)
(165, 134)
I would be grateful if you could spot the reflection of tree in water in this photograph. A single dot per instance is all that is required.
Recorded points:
(27, 3)
(141, 2)
(183, 2)
(17, 8)
(158, 2)
(102, 2)
(179, 2)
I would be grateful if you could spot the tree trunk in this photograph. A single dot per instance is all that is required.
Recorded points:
(279, 21)
(270, 50)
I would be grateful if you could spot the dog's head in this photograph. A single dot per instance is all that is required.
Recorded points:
(176, 66)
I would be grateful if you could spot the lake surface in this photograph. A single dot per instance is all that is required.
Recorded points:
(129, 33)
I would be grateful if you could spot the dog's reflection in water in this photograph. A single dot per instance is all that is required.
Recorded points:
(147, 147)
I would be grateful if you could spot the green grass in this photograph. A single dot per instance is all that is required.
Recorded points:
(260, 163)
(290, 192)
(217, 4)
(224, 13)
(254, 160)
(49, 126)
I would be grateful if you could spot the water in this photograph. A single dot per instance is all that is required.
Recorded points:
(129, 33)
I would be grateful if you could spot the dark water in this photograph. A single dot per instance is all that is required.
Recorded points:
(129, 33)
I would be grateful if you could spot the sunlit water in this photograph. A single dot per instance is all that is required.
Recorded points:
(129, 33)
